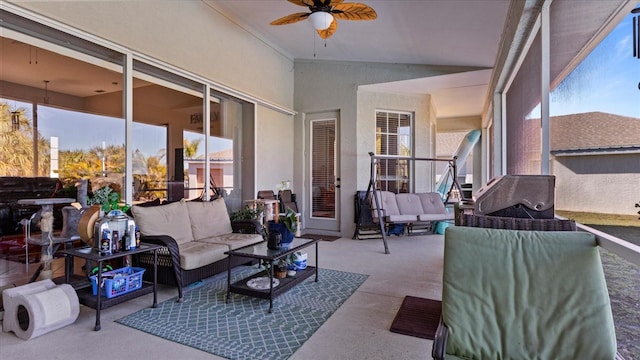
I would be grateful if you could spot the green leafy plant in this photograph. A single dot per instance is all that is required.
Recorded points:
(247, 213)
(107, 199)
(290, 220)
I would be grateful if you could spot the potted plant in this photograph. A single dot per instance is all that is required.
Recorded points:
(252, 214)
(286, 225)
(107, 199)
(280, 269)
(247, 213)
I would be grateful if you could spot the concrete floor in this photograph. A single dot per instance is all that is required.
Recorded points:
(359, 329)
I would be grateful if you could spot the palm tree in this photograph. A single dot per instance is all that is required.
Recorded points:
(191, 148)
(16, 146)
(151, 173)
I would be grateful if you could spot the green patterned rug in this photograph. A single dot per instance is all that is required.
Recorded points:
(243, 328)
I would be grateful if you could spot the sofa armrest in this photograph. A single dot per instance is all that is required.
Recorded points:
(172, 245)
(440, 341)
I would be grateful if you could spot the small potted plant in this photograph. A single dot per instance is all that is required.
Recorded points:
(286, 225)
(247, 213)
(107, 199)
(280, 269)
(251, 217)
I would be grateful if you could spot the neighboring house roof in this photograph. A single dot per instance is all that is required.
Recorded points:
(448, 143)
(593, 132)
(223, 155)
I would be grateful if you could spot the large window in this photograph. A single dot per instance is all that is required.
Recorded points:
(70, 123)
(393, 138)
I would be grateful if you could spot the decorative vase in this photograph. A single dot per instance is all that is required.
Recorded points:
(287, 236)
(275, 239)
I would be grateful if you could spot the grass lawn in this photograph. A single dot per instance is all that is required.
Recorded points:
(621, 275)
(626, 227)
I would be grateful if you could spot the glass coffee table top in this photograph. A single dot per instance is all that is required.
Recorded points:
(261, 251)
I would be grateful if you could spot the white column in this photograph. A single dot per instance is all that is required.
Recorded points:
(544, 88)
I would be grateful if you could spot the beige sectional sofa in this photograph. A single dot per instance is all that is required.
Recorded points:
(196, 235)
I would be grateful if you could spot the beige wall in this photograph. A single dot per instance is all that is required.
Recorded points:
(464, 123)
(608, 184)
(275, 155)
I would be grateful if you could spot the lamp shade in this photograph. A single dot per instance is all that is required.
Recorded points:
(320, 20)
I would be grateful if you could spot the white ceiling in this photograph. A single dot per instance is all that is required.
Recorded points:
(432, 32)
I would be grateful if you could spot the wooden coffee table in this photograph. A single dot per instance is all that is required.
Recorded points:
(260, 251)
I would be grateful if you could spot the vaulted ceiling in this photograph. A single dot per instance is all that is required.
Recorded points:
(431, 32)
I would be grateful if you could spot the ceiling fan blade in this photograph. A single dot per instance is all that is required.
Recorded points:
(326, 33)
(290, 19)
(353, 11)
(305, 3)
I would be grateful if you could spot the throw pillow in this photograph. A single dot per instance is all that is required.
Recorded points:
(171, 219)
(209, 218)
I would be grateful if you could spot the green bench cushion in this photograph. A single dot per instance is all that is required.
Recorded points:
(510, 294)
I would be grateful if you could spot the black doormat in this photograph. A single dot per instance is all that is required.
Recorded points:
(320, 237)
(417, 317)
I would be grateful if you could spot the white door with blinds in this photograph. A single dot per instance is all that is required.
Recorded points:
(323, 173)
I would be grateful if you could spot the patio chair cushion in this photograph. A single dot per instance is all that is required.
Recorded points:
(525, 294)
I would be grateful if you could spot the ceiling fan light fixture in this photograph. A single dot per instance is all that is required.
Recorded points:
(320, 20)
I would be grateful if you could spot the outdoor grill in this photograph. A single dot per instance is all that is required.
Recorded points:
(520, 196)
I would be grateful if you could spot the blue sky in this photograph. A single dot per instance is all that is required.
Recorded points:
(606, 81)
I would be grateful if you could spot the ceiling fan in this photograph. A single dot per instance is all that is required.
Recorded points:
(324, 14)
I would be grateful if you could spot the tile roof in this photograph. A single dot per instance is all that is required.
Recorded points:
(222, 155)
(447, 143)
(592, 131)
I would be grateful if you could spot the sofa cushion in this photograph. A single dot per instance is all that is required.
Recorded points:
(195, 254)
(431, 203)
(533, 292)
(390, 208)
(409, 204)
(233, 241)
(208, 218)
(433, 207)
(171, 219)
